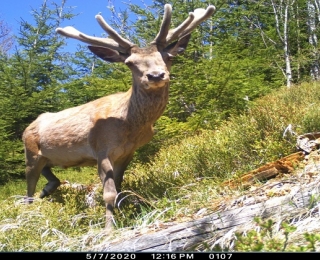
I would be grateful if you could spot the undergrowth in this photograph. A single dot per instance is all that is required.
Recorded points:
(182, 179)
(269, 236)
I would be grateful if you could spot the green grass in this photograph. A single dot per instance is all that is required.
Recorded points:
(183, 178)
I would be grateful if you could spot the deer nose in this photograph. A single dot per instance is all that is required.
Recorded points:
(156, 76)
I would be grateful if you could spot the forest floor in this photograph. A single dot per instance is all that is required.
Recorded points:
(286, 190)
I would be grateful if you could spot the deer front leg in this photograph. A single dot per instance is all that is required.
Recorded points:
(118, 170)
(106, 174)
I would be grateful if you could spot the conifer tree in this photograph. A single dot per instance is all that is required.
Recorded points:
(31, 79)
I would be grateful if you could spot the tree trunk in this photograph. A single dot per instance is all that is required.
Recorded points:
(281, 15)
(286, 45)
(313, 8)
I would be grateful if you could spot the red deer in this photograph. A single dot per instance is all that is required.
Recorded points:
(107, 131)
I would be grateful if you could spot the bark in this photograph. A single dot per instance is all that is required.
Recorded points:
(313, 14)
(281, 15)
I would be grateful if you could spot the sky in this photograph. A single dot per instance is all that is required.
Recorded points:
(12, 11)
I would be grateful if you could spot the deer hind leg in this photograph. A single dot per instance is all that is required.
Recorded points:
(106, 174)
(53, 182)
(34, 165)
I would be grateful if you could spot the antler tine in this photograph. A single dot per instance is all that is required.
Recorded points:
(165, 25)
(115, 43)
(174, 33)
(113, 34)
(200, 15)
(165, 36)
(71, 32)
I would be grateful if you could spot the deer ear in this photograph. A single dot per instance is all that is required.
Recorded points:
(179, 46)
(108, 54)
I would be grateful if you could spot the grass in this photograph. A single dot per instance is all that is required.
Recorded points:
(273, 237)
(183, 179)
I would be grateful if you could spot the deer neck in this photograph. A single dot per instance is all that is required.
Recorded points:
(147, 105)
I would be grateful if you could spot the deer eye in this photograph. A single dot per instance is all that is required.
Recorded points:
(170, 57)
(167, 56)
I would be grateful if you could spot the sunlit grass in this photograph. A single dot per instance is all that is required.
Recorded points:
(181, 182)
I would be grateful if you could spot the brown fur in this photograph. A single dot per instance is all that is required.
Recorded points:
(106, 131)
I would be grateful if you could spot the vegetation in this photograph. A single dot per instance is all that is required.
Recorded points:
(267, 239)
(181, 179)
(227, 114)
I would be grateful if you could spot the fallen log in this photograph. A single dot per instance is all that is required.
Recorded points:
(186, 236)
(267, 171)
(295, 195)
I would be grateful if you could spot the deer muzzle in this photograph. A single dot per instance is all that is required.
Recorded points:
(156, 76)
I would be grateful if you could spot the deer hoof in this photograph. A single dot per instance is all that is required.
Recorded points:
(49, 188)
(28, 200)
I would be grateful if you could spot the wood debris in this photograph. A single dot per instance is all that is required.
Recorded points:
(306, 144)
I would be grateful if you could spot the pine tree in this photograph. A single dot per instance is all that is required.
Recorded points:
(31, 80)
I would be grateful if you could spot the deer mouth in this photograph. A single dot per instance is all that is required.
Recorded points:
(156, 83)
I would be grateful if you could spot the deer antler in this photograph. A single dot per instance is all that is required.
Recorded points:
(165, 25)
(116, 42)
(165, 36)
(113, 34)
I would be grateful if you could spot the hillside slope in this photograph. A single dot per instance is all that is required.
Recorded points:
(291, 197)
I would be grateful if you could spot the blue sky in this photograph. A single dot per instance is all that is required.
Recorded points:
(12, 11)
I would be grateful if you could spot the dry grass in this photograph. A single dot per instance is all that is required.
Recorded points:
(182, 182)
